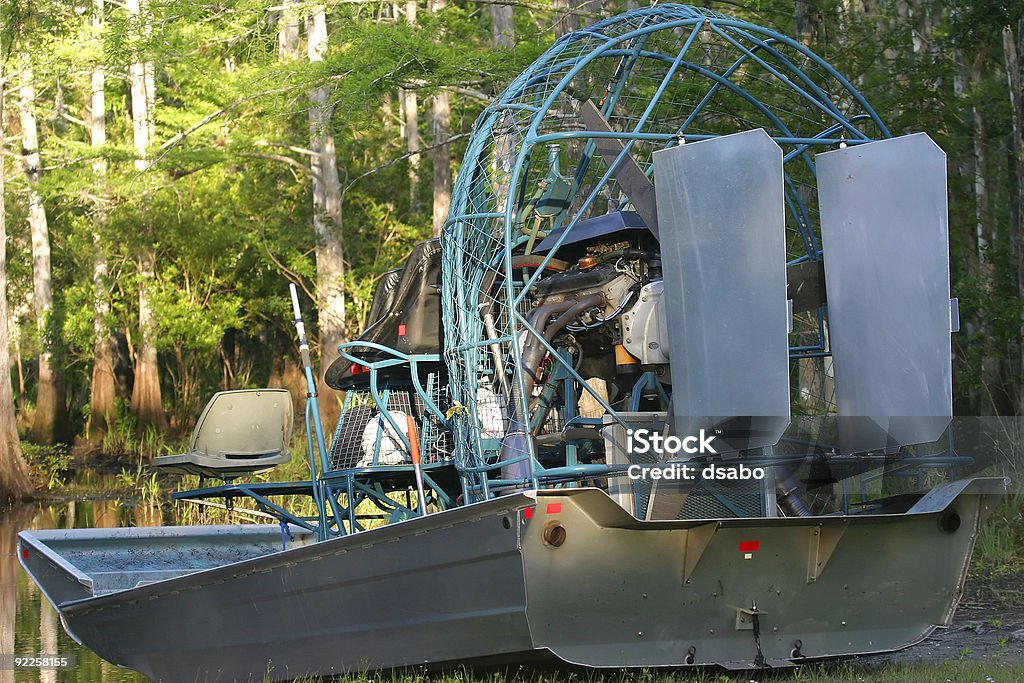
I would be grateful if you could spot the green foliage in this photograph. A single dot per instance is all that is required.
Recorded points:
(998, 549)
(193, 312)
(226, 203)
(143, 483)
(121, 436)
(50, 466)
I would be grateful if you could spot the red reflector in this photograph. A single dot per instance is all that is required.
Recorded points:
(750, 546)
(528, 513)
(554, 508)
(401, 330)
(24, 553)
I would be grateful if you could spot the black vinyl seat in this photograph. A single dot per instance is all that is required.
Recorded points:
(408, 319)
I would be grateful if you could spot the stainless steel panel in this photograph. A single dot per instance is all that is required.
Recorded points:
(885, 241)
(889, 580)
(722, 231)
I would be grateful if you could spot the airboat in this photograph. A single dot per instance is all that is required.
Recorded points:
(674, 223)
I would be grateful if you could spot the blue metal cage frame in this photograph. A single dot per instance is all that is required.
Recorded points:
(659, 76)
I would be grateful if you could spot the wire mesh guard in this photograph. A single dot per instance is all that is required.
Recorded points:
(542, 170)
(365, 437)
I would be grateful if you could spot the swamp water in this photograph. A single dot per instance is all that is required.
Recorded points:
(28, 624)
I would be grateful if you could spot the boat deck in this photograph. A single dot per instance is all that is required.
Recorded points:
(101, 561)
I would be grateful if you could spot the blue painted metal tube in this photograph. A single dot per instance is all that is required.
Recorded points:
(611, 96)
(382, 403)
(516, 300)
(720, 81)
(825, 66)
(718, 23)
(519, 107)
(312, 410)
(425, 396)
(692, 137)
(563, 473)
(277, 510)
(517, 400)
(723, 81)
(699, 107)
(497, 465)
(485, 214)
(349, 495)
(375, 494)
(823, 100)
(334, 509)
(482, 344)
(584, 421)
(400, 359)
(443, 498)
(831, 130)
(666, 80)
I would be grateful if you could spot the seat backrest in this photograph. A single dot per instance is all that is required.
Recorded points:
(244, 424)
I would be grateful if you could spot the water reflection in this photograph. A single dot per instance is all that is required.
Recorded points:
(28, 624)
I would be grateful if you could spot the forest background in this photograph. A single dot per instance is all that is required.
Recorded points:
(167, 166)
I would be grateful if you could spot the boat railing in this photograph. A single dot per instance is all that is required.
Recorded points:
(390, 457)
(372, 429)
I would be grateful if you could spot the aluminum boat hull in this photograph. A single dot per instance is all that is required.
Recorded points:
(489, 583)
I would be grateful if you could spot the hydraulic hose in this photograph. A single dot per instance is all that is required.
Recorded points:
(515, 445)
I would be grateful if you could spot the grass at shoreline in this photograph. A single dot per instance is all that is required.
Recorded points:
(852, 671)
(999, 550)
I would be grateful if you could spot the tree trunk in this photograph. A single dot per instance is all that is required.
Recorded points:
(141, 99)
(147, 403)
(101, 390)
(441, 155)
(806, 20)
(14, 481)
(503, 30)
(991, 370)
(440, 124)
(49, 397)
(1013, 48)
(982, 211)
(409, 102)
(566, 19)
(327, 198)
(503, 154)
(47, 638)
(288, 34)
(148, 69)
(411, 121)
(142, 81)
(105, 514)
